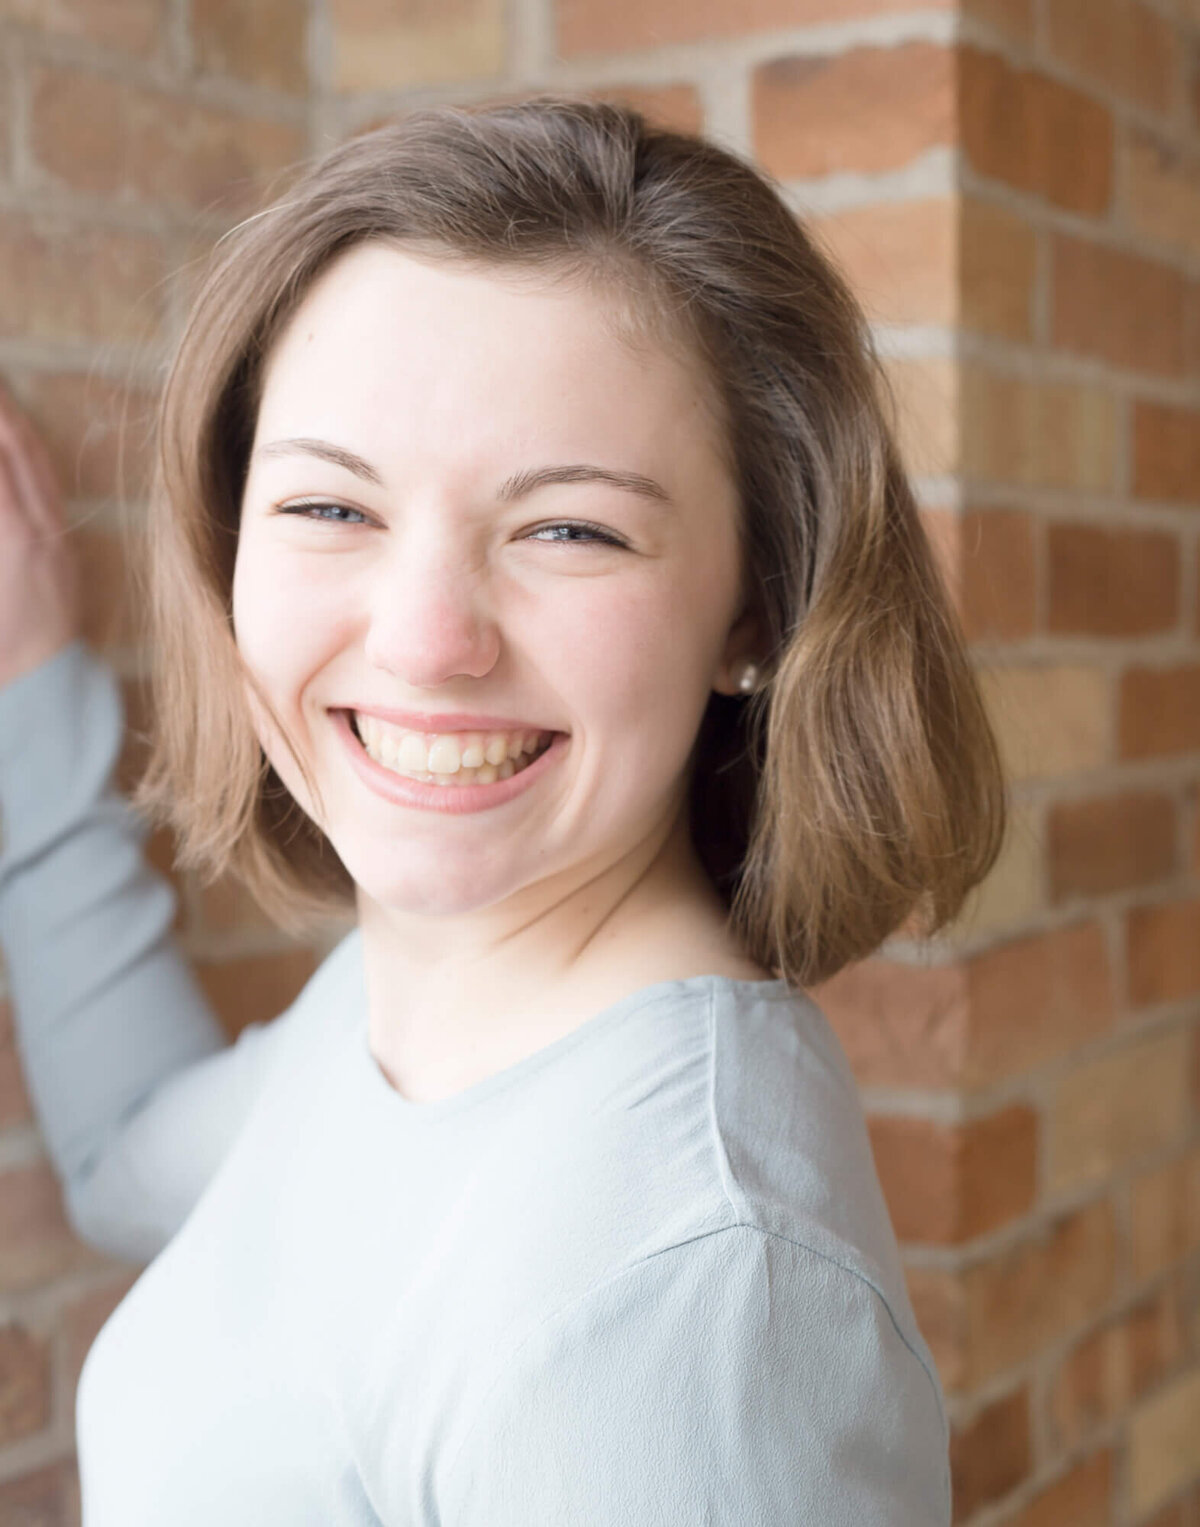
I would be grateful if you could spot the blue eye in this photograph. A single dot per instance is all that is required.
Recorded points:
(590, 533)
(308, 511)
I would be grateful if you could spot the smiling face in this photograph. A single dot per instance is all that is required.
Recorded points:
(439, 578)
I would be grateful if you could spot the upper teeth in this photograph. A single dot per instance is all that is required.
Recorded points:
(441, 752)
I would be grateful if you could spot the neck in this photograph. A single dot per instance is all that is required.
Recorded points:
(491, 985)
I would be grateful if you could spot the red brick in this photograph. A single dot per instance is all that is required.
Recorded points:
(36, 1242)
(1035, 133)
(989, 563)
(101, 135)
(263, 43)
(43, 1497)
(865, 110)
(1112, 582)
(98, 432)
(16, 1106)
(945, 1184)
(619, 26)
(992, 1454)
(674, 106)
(1110, 844)
(1118, 307)
(1164, 952)
(1012, 17)
(256, 988)
(999, 1014)
(61, 282)
(998, 261)
(24, 1383)
(1083, 1495)
(1159, 711)
(132, 26)
(1120, 44)
(1166, 453)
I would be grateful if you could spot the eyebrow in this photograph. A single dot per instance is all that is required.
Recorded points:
(513, 487)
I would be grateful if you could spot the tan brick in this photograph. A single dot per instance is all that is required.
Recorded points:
(1159, 711)
(1110, 843)
(1120, 44)
(256, 988)
(1165, 1214)
(264, 43)
(923, 413)
(1050, 721)
(1048, 434)
(132, 26)
(1083, 1494)
(1164, 951)
(998, 259)
(101, 135)
(946, 1184)
(1112, 582)
(900, 258)
(1162, 1443)
(383, 45)
(1012, 892)
(1166, 453)
(1113, 1367)
(62, 282)
(110, 616)
(619, 26)
(1017, 1302)
(991, 1454)
(1035, 133)
(1161, 190)
(36, 1242)
(1113, 1110)
(865, 110)
(1118, 307)
(24, 1383)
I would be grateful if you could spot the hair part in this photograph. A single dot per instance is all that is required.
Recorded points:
(861, 787)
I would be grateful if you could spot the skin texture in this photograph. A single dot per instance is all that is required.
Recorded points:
(488, 934)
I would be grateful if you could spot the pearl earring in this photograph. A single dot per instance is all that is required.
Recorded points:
(749, 678)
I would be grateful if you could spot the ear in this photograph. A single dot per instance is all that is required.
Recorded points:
(744, 644)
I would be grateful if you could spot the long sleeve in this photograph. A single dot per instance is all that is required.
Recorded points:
(738, 1378)
(137, 1089)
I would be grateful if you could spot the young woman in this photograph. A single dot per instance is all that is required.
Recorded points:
(533, 576)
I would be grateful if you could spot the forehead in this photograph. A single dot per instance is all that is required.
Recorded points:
(434, 338)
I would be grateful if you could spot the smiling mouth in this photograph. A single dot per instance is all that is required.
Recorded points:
(403, 755)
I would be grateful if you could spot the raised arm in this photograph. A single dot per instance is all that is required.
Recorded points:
(136, 1087)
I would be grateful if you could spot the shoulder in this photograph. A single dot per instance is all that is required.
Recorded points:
(737, 1376)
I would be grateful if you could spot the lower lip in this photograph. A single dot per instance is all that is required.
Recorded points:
(453, 800)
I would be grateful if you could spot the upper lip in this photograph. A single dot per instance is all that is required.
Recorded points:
(446, 721)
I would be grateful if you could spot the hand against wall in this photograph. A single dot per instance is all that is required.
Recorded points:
(39, 570)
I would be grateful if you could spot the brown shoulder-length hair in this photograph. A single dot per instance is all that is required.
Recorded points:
(859, 789)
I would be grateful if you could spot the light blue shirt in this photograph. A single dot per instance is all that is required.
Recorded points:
(644, 1277)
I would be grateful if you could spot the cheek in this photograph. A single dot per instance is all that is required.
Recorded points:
(283, 619)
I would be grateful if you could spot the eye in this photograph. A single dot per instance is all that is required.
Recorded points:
(309, 510)
(579, 528)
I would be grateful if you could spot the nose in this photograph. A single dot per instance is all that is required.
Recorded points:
(430, 619)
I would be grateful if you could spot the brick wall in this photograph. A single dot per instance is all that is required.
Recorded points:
(1014, 188)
